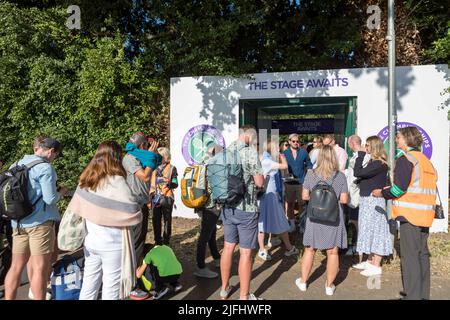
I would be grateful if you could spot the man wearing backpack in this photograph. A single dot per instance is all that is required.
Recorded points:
(34, 234)
(240, 221)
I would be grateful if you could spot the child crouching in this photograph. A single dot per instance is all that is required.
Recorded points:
(161, 270)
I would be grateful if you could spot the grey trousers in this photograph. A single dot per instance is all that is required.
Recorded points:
(415, 261)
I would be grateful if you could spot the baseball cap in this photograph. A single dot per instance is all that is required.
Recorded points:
(51, 143)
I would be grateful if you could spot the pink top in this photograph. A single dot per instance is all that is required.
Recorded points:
(341, 156)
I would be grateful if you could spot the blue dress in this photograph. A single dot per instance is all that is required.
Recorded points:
(272, 218)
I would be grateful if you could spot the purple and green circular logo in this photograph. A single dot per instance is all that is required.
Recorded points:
(427, 146)
(196, 141)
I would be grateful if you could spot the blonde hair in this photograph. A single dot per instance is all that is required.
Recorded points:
(377, 151)
(270, 146)
(326, 162)
(165, 153)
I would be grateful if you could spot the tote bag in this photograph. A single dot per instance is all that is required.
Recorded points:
(72, 232)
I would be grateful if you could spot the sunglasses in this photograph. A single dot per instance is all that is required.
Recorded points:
(294, 141)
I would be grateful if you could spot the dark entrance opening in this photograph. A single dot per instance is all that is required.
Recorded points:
(305, 116)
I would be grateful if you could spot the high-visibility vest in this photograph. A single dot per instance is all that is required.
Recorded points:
(418, 203)
(166, 173)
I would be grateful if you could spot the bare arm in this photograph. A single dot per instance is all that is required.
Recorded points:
(259, 180)
(140, 271)
(305, 195)
(283, 162)
(343, 198)
(144, 174)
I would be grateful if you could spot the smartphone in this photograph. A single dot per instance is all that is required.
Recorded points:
(150, 140)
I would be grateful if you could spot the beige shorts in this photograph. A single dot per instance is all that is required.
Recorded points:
(293, 192)
(37, 240)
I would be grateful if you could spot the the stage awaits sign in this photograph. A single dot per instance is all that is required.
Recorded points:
(304, 126)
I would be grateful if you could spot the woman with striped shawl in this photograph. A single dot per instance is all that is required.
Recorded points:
(104, 199)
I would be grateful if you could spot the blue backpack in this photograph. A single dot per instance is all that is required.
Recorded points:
(225, 177)
(67, 278)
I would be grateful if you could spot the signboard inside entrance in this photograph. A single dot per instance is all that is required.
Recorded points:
(304, 125)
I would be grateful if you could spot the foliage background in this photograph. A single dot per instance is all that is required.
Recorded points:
(111, 78)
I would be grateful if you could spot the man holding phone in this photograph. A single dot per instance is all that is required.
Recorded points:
(139, 162)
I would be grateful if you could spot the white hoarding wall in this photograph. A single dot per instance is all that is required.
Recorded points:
(207, 108)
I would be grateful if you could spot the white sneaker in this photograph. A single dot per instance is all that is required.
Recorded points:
(48, 295)
(251, 296)
(302, 286)
(372, 271)
(224, 294)
(329, 291)
(264, 255)
(293, 252)
(362, 265)
(274, 242)
(206, 273)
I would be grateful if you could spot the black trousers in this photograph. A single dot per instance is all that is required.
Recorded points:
(160, 213)
(351, 214)
(152, 274)
(415, 261)
(140, 234)
(161, 282)
(207, 236)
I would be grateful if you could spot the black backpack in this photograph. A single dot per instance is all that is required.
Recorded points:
(323, 206)
(14, 201)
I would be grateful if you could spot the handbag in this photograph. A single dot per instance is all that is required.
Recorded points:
(72, 231)
(67, 278)
(438, 209)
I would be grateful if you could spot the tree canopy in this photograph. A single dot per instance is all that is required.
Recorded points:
(111, 77)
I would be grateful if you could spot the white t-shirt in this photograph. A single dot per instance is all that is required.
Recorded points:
(349, 173)
(103, 238)
(314, 155)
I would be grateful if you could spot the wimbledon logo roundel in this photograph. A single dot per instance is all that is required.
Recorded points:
(427, 146)
(196, 141)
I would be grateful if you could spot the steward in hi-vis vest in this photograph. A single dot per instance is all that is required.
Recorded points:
(417, 204)
(413, 195)
(414, 189)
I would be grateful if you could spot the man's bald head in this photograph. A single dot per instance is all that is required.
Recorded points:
(354, 142)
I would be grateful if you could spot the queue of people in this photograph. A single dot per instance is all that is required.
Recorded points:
(117, 193)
